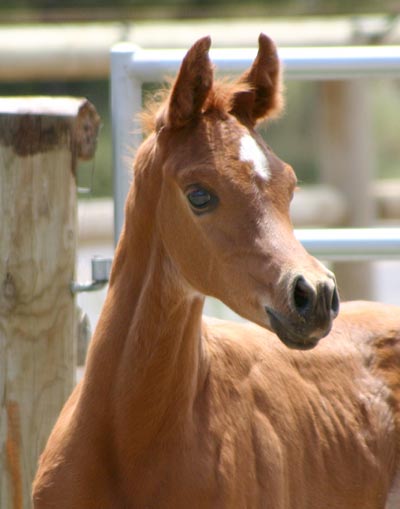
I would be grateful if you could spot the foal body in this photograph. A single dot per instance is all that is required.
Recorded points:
(177, 411)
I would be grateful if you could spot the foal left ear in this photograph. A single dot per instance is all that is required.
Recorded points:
(263, 95)
(192, 85)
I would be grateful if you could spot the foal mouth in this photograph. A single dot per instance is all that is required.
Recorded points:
(296, 336)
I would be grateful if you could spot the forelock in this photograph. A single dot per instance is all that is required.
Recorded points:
(219, 100)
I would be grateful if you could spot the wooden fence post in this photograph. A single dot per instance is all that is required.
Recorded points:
(41, 140)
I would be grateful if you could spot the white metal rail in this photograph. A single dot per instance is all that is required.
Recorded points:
(351, 244)
(132, 66)
(307, 63)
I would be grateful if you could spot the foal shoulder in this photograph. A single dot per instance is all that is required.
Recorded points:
(360, 324)
(351, 376)
(248, 355)
(365, 338)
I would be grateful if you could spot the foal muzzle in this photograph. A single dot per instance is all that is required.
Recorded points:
(312, 309)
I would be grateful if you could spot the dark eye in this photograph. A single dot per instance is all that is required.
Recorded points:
(200, 199)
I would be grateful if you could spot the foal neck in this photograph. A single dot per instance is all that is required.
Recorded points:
(149, 337)
(164, 335)
(162, 361)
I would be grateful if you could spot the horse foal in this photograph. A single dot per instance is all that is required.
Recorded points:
(297, 410)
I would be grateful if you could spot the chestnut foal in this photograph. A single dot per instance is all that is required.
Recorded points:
(177, 411)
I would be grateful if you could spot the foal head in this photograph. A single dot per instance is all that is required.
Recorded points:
(223, 208)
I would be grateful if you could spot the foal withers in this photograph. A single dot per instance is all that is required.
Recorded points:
(176, 411)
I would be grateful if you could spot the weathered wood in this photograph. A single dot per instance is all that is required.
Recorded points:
(347, 164)
(40, 142)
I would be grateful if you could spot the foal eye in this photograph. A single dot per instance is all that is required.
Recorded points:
(199, 198)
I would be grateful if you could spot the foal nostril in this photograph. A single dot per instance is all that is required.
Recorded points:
(335, 302)
(330, 299)
(303, 296)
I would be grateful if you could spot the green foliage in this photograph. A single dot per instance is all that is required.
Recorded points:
(293, 135)
(208, 7)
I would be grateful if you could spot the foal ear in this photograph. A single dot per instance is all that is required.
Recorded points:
(263, 95)
(192, 85)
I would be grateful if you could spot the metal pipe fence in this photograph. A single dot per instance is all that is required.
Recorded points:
(334, 244)
(351, 244)
(132, 66)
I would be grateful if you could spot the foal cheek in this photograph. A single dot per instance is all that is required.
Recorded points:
(186, 244)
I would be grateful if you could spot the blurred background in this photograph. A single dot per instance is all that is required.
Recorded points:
(61, 47)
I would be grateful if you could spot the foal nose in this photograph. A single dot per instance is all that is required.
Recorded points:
(319, 303)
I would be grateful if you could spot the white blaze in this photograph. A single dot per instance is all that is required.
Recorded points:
(252, 153)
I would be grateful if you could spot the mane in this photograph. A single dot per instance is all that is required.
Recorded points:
(219, 99)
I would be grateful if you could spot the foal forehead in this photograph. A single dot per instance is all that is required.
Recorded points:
(247, 151)
(226, 147)
(251, 152)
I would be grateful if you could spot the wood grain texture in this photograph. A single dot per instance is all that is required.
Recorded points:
(37, 309)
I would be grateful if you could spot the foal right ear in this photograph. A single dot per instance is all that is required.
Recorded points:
(261, 95)
(192, 85)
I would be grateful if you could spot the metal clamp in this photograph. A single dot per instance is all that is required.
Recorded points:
(101, 268)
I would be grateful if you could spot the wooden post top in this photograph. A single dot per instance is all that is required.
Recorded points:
(33, 125)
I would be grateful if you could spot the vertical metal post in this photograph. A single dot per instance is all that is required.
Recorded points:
(126, 103)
